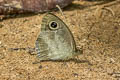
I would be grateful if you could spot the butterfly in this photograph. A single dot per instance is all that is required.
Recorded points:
(55, 40)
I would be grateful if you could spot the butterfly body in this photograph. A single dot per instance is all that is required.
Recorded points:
(55, 41)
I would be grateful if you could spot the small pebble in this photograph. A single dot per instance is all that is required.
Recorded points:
(2, 56)
(75, 74)
(112, 60)
(40, 67)
(0, 42)
(1, 25)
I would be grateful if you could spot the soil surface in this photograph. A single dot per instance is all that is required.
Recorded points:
(96, 30)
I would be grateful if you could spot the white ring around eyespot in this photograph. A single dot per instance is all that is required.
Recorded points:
(52, 27)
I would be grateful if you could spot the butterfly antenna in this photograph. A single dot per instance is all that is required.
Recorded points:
(59, 8)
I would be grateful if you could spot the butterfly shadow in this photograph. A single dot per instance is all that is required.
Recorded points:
(70, 60)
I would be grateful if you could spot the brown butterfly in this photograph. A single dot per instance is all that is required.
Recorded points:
(55, 41)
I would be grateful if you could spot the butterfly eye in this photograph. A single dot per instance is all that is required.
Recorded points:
(53, 25)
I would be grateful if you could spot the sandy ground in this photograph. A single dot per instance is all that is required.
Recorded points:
(99, 36)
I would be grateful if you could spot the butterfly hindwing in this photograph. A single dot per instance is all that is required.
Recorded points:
(55, 41)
